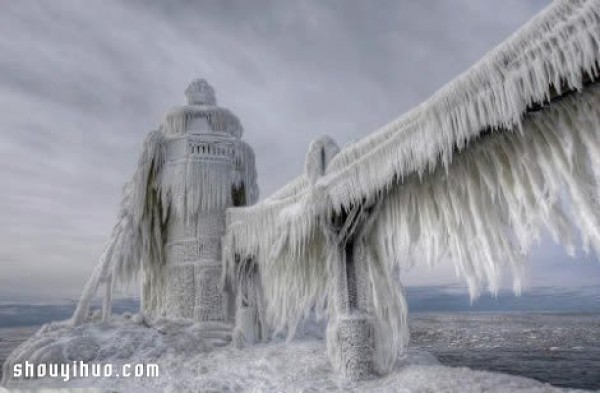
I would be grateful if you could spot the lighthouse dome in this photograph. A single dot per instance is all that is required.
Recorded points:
(201, 115)
(199, 92)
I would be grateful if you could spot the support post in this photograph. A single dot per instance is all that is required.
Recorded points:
(249, 321)
(107, 301)
(351, 334)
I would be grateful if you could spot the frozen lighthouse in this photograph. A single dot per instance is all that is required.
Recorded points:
(206, 168)
(172, 217)
(472, 177)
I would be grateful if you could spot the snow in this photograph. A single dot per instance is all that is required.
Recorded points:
(190, 363)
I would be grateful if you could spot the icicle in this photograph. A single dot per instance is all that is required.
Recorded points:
(107, 301)
(482, 207)
(483, 212)
(176, 121)
(521, 71)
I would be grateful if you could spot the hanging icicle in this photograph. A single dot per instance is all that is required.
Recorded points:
(470, 176)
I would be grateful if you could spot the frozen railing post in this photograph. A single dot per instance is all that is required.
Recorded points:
(107, 301)
(243, 282)
(249, 323)
(351, 333)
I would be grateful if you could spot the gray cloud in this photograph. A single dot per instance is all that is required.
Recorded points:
(81, 83)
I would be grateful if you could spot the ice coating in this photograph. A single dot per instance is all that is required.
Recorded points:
(172, 214)
(472, 176)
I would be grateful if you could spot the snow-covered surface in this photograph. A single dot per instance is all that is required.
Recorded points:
(190, 364)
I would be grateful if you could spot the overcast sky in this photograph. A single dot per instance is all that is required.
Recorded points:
(82, 82)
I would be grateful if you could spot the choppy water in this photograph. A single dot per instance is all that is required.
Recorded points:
(560, 349)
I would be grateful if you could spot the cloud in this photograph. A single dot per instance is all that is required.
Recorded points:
(81, 83)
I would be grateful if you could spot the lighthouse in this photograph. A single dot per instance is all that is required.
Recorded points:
(171, 221)
(207, 169)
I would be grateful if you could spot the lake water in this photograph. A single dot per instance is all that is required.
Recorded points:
(560, 349)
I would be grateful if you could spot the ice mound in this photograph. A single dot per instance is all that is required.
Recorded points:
(194, 358)
(128, 339)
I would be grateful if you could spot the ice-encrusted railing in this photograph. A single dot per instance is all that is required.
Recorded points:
(472, 175)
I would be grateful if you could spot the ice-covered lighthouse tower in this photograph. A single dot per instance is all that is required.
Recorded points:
(208, 168)
(172, 215)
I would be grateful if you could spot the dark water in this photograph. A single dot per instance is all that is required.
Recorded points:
(567, 368)
(543, 299)
(560, 349)
(548, 334)
(19, 314)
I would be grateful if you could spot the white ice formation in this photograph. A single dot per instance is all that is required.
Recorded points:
(172, 215)
(472, 175)
(188, 365)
